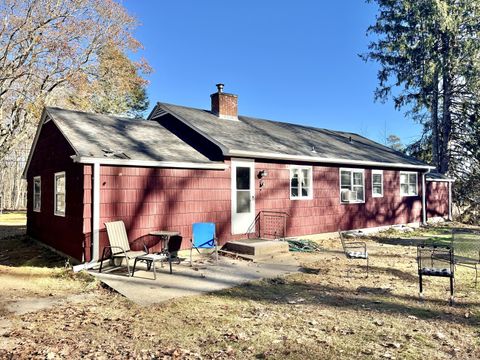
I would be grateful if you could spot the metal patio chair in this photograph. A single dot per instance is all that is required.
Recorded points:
(168, 254)
(119, 245)
(354, 250)
(204, 237)
(436, 260)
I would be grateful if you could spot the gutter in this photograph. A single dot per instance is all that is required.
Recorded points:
(148, 163)
(441, 180)
(275, 156)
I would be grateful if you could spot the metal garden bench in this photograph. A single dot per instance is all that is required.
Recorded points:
(435, 260)
(354, 250)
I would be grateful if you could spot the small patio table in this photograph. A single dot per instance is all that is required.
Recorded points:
(151, 259)
(164, 236)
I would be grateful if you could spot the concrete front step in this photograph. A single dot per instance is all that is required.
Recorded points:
(256, 248)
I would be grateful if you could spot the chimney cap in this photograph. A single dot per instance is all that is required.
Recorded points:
(220, 87)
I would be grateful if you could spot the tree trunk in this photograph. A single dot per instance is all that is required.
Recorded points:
(446, 110)
(434, 121)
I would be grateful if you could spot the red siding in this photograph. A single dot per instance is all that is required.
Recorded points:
(437, 199)
(172, 199)
(149, 199)
(325, 213)
(52, 154)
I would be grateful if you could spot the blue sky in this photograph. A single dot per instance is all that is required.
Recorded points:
(287, 61)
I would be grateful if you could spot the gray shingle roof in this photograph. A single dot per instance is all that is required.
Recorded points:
(91, 134)
(273, 137)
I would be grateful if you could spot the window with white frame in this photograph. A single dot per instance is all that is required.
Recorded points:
(301, 182)
(59, 194)
(352, 186)
(37, 193)
(408, 184)
(377, 183)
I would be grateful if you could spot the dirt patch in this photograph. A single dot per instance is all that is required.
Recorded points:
(24, 306)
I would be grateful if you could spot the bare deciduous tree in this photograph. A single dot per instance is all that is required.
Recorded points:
(48, 50)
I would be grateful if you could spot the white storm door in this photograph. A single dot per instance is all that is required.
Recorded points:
(243, 196)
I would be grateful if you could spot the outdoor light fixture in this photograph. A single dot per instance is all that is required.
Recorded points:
(262, 174)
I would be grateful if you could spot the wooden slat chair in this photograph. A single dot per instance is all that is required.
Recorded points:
(354, 250)
(119, 245)
(435, 260)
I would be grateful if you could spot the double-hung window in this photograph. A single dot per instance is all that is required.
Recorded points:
(377, 183)
(301, 182)
(59, 208)
(352, 186)
(408, 183)
(37, 193)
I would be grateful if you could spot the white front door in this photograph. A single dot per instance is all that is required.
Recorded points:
(243, 196)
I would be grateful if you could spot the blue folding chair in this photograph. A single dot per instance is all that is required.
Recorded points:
(203, 237)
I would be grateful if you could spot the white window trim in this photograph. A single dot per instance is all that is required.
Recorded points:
(300, 197)
(377, 172)
(400, 182)
(58, 213)
(352, 170)
(40, 200)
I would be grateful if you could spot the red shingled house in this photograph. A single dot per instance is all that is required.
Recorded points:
(185, 165)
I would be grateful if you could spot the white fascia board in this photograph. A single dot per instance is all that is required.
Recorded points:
(148, 163)
(441, 180)
(34, 144)
(45, 118)
(276, 156)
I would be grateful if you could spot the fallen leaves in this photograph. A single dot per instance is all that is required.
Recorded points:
(299, 316)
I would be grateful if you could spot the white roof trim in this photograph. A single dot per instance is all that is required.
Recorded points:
(441, 180)
(324, 160)
(45, 118)
(148, 163)
(34, 144)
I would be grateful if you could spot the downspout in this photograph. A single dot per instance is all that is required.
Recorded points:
(95, 222)
(96, 212)
(450, 201)
(424, 198)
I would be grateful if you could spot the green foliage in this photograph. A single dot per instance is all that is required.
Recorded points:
(114, 85)
(429, 57)
(52, 51)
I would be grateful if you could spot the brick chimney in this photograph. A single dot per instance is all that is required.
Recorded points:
(224, 105)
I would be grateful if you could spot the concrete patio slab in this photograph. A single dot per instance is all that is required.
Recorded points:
(201, 278)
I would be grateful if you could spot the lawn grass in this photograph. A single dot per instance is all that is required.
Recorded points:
(13, 217)
(320, 314)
